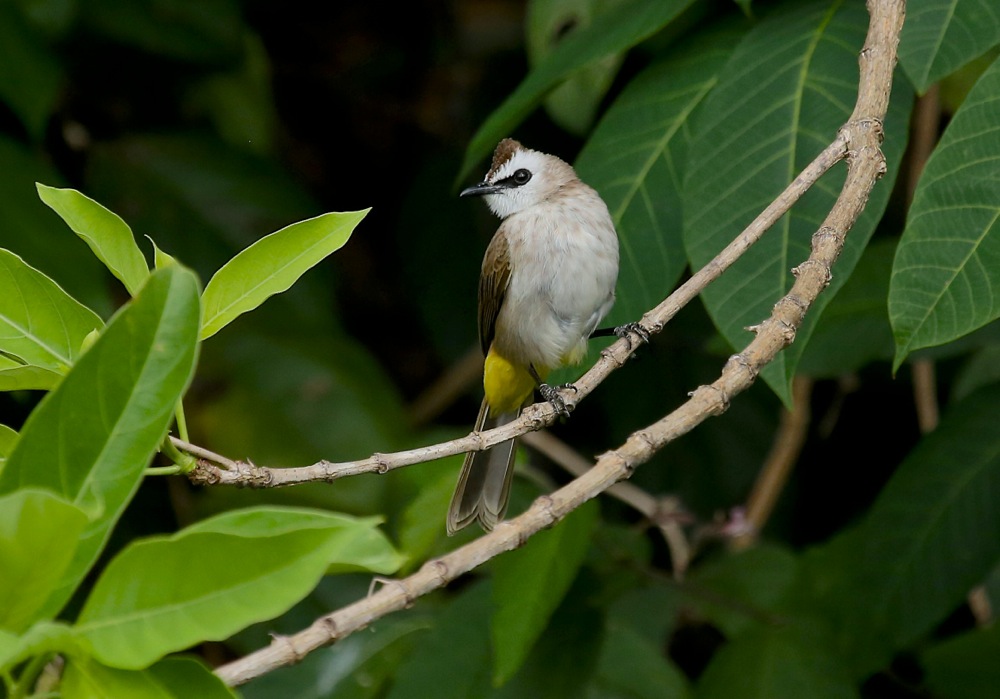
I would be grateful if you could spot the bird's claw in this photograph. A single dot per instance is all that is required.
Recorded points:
(551, 394)
(624, 332)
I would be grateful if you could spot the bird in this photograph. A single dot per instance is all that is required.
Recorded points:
(548, 279)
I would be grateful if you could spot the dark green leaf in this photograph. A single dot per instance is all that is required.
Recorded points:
(29, 74)
(90, 439)
(609, 34)
(633, 663)
(271, 265)
(982, 369)
(38, 536)
(946, 278)
(104, 231)
(218, 576)
(923, 543)
(788, 87)
(530, 582)
(635, 160)
(40, 324)
(173, 678)
(940, 36)
(8, 437)
(964, 667)
(775, 664)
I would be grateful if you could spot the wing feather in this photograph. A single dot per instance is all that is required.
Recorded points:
(493, 283)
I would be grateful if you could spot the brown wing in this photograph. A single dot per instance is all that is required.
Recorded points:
(493, 287)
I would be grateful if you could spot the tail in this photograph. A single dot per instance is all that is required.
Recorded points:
(484, 484)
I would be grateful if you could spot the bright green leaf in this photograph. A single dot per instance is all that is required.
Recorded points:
(103, 230)
(210, 580)
(20, 377)
(38, 536)
(272, 265)
(924, 547)
(787, 89)
(530, 582)
(635, 158)
(172, 678)
(40, 324)
(42, 638)
(609, 34)
(946, 277)
(89, 440)
(940, 36)
(964, 667)
(8, 437)
(775, 664)
(160, 258)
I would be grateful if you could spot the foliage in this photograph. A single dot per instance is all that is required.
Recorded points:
(688, 116)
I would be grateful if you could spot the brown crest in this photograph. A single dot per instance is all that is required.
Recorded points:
(504, 152)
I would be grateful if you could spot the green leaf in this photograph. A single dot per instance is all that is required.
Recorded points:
(854, 329)
(89, 440)
(946, 278)
(982, 369)
(911, 567)
(630, 662)
(530, 582)
(38, 536)
(8, 437)
(40, 324)
(21, 377)
(574, 103)
(30, 76)
(737, 591)
(457, 647)
(780, 100)
(775, 664)
(964, 667)
(609, 34)
(940, 36)
(42, 638)
(635, 160)
(172, 678)
(210, 580)
(272, 265)
(103, 230)
(160, 258)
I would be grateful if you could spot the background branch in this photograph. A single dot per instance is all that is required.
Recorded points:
(861, 137)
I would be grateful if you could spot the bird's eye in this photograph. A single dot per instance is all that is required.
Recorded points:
(522, 176)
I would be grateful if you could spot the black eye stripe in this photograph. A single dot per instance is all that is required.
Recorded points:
(520, 177)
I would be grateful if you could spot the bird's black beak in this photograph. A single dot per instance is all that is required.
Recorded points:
(479, 190)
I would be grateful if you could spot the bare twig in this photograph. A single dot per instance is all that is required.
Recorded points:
(861, 137)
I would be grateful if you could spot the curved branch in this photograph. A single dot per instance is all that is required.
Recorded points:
(862, 136)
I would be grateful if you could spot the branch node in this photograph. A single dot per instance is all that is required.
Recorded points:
(824, 270)
(330, 626)
(287, 641)
(742, 361)
(827, 234)
(718, 401)
(379, 580)
(755, 329)
(205, 473)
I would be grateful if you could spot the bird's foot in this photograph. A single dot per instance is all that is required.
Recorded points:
(624, 332)
(551, 394)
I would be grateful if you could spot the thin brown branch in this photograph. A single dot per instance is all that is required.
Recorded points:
(862, 136)
(785, 450)
(448, 387)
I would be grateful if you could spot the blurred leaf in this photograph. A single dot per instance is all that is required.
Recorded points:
(104, 231)
(42, 638)
(788, 87)
(28, 228)
(632, 663)
(774, 664)
(32, 522)
(8, 437)
(91, 438)
(240, 103)
(30, 76)
(421, 527)
(982, 369)
(271, 265)
(635, 160)
(737, 592)
(160, 258)
(172, 678)
(51, 16)
(457, 647)
(21, 377)
(946, 278)
(206, 31)
(574, 103)
(964, 667)
(956, 87)
(40, 324)
(208, 581)
(910, 567)
(530, 582)
(610, 33)
(854, 330)
(940, 36)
